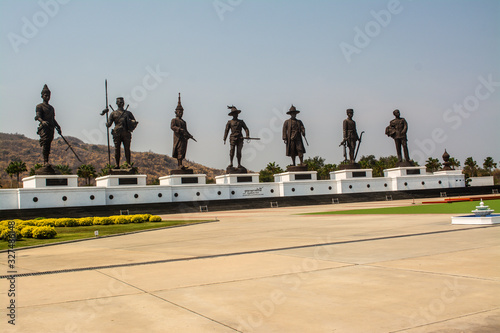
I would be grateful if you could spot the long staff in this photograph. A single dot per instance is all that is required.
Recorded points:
(106, 112)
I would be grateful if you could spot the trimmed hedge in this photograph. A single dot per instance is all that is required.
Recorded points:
(27, 228)
(44, 232)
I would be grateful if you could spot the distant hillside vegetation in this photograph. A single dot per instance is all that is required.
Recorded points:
(18, 147)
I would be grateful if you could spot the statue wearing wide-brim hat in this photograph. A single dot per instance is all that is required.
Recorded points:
(234, 110)
(235, 126)
(293, 131)
(293, 110)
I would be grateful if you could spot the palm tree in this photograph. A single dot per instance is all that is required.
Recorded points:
(470, 167)
(86, 171)
(432, 164)
(16, 168)
(267, 175)
(488, 164)
(315, 163)
(64, 169)
(454, 163)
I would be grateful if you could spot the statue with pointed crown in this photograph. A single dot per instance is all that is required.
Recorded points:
(181, 138)
(45, 115)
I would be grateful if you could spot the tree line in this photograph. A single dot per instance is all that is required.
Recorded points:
(87, 172)
(317, 163)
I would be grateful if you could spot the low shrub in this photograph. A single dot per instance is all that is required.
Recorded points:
(121, 219)
(66, 222)
(154, 218)
(85, 221)
(139, 218)
(102, 220)
(27, 232)
(44, 232)
(46, 223)
(5, 233)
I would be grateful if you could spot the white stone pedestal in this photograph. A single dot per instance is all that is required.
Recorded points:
(473, 219)
(404, 171)
(187, 179)
(351, 173)
(237, 178)
(121, 180)
(50, 181)
(292, 176)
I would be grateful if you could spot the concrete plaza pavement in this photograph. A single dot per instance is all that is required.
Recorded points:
(266, 270)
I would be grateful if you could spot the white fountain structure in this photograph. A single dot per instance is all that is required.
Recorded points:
(482, 215)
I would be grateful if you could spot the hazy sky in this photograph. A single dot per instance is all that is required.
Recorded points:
(436, 61)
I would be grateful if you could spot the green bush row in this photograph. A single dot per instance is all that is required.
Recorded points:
(84, 221)
(28, 231)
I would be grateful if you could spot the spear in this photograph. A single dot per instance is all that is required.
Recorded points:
(107, 128)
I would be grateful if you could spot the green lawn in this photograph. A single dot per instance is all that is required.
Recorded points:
(72, 233)
(444, 208)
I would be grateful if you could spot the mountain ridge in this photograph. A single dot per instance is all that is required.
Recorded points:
(19, 147)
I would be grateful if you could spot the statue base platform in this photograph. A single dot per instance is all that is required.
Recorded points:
(183, 179)
(404, 171)
(296, 168)
(129, 171)
(181, 171)
(404, 164)
(295, 176)
(349, 166)
(121, 180)
(235, 178)
(351, 173)
(46, 170)
(50, 181)
(233, 170)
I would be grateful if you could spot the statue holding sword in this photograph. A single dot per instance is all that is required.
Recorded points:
(181, 135)
(236, 127)
(293, 131)
(350, 138)
(46, 116)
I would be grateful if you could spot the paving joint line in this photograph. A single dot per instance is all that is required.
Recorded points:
(69, 270)
(445, 320)
(170, 302)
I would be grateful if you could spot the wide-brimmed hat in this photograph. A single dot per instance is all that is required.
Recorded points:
(293, 110)
(233, 111)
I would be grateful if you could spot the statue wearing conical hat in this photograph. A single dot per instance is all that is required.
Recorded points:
(236, 127)
(181, 134)
(293, 130)
(45, 114)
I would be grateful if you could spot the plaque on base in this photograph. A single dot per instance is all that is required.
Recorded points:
(292, 176)
(50, 181)
(351, 173)
(404, 171)
(237, 178)
(183, 179)
(121, 180)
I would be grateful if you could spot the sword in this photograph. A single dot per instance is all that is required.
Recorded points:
(248, 139)
(344, 143)
(306, 140)
(357, 149)
(70, 147)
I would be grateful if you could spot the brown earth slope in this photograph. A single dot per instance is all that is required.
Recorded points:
(18, 147)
